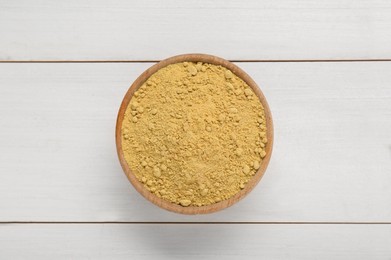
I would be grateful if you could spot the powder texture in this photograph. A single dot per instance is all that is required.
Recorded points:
(194, 133)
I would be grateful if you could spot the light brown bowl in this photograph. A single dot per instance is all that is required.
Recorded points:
(194, 209)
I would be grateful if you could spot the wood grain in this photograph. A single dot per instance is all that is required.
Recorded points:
(195, 241)
(331, 158)
(193, 210)
(153, 30)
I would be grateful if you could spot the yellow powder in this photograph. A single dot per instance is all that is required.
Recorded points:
(194, 134)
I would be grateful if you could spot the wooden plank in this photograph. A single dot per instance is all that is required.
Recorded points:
(195, 241)
(153, 30)
(331, 159)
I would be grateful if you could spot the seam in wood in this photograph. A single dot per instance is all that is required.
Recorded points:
(198, 223)
(154, 61)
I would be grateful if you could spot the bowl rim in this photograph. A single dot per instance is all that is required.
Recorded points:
(165, 204)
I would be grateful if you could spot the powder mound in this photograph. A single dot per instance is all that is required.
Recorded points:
(194, 134)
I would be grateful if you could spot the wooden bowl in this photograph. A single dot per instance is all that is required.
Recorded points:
(194, 209)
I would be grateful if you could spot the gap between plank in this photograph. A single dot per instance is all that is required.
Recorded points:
(154, 61)
(196, 223)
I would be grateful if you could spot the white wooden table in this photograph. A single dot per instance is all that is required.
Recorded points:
(325, 67)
